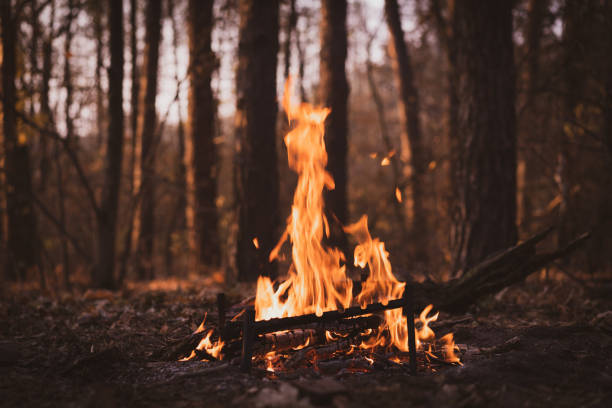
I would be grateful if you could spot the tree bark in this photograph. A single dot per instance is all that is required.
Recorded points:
(135, 89)
(486, 123)
(45, 106)
(413, 149)
(68, 73)
(607, 125)
(334, 91)
(537, 10)
(22, 238)
(99, 34)
(134, 114)
(147, 128)
(202, 159)
(107, 215)
(574, 40)
(291, 23)
(301, 57)
(256, 110)
(178, 214)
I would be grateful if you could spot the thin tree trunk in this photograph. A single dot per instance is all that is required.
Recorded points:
(107, 215)
(45, 107)
(49, 120)
(134, 102)
(300, 50)
(34, 70)
(61, 201)
(61, 204)
(574, 42)
(147, 128)
(334, 91)
(413, 150)
(292, 21)
(99, 34)
(22, 240)
(256, 108)
(135, 91)
(531, 123)
(177, 220)
(607, 125)
(68, 73)
(486, 123)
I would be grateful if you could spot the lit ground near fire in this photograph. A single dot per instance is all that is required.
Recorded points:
(537, 344)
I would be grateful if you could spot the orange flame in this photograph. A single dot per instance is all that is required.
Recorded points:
(214, 349)
(316, 280)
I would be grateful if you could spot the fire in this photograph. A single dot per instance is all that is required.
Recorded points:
(206, 344)
(214, 349)
(269, 361)
(316, 281)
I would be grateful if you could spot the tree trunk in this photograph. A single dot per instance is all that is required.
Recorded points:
(486, 123)
(291, 23)
(607, 124)
(574, 40)
(99, 34)
(301, 57)
(22, 240)
(134, 114)
(178, 214)
(45, 107)
(107, 215)
(202, 157)
(334, 91)
(413, 150)
(256, 111)
(147, 128)
(68, 73)
(135, 91)
(532, 118)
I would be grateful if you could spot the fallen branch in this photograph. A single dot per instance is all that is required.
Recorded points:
(492, 275)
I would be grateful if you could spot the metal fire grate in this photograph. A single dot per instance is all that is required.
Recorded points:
(251, 329)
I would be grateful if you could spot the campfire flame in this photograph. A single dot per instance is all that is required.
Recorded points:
(317, 281)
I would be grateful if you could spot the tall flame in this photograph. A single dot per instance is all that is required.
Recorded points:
(316, 281)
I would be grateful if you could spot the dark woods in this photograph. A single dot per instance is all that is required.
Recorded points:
(143, 139)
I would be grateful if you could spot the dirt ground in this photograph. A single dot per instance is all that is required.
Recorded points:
(537, 344)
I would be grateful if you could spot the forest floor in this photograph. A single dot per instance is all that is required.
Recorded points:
(98, 349)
